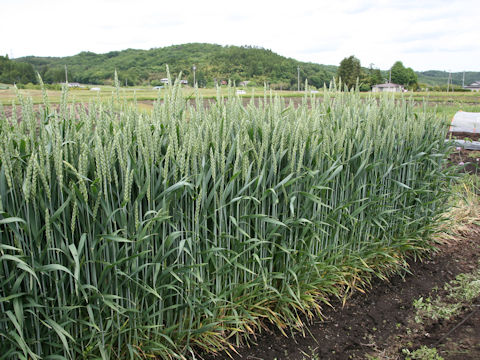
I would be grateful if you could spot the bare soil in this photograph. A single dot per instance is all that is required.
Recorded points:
(468, 160)
(464, 135)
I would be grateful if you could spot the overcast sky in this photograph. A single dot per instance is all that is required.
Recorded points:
(423, 34)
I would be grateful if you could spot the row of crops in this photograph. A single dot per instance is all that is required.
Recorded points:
(127, 234)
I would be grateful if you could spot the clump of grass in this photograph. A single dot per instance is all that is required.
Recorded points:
(127, 234)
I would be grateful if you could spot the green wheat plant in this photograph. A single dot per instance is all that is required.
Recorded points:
(127, 234)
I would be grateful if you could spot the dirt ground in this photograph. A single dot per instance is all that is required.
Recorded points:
(465, 135)
(468, 159)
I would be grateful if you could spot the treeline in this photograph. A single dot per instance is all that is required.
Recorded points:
(214, 64)
(350, 72)
(15, 71)
(436, 78)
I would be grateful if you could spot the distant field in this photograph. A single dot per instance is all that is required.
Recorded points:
(445, 103)
(130, 93)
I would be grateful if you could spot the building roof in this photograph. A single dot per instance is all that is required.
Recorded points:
(388, 85)
(474, 85)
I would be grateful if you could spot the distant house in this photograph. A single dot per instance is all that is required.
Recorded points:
(184, 82)
(74, 85)
(389, 87)
(473, 86)
(164, 81)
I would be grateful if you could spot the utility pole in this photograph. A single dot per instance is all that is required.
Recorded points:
(298, 78)
(194, 80)
(449, 81)
(463, 80)
(390, 76)
(66, 75)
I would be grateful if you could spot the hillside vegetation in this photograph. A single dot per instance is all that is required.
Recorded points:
(436, 77)
(213, 62)
(15, 71)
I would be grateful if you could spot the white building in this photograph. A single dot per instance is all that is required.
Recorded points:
(474, 86)
(390, 87)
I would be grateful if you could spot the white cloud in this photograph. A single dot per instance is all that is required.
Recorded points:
(424, 34)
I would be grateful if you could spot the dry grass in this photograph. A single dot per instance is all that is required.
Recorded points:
(465, 209)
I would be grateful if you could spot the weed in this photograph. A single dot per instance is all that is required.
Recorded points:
(424, 353)
(460, 293)
(434, 310)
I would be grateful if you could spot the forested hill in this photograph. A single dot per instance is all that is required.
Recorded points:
(435, 77)
(218, 62)
(213, 62)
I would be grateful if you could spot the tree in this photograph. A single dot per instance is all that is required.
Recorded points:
(403, 76)
(412, 79)
(23, 73)
(318, 79)
(16, 72)
(369, 78)
(54, 75)
(349, 71)
(399, 73)
(5, 68)
(374, 76)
